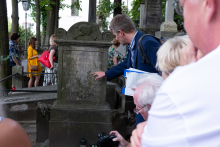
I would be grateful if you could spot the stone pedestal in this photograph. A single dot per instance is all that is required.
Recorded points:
(168, 29)
(17, 80)
(168, 26)
(81, 110)
(165, 34)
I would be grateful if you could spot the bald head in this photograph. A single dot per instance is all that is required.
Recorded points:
(202, 23)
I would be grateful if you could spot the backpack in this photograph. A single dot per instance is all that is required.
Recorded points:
(144, 55)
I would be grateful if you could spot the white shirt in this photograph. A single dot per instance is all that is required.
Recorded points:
(186, 110)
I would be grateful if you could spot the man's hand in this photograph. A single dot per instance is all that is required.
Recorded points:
(189, 54)
(136, 135)
(122, 141)
(99, 74)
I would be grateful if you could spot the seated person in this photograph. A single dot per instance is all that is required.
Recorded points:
(12, 134)
(143, 98)
(168, 58)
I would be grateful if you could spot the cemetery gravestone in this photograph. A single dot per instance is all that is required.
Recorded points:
(153, 16)
(80, 110)
(168, 28)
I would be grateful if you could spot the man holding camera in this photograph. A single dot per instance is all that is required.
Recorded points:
(143, 98)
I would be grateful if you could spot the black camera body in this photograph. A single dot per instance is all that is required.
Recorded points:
(106, 140)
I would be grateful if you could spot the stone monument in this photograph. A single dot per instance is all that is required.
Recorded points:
(168, 28)
(81, 110)
(151, 16)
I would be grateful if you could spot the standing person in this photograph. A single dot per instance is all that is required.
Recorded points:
(185, 112)
(51, 79)
(124, 30)
(33, 61)
(114, 56)
(13, 49)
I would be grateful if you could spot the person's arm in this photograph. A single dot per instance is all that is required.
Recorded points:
(12, 134)
(120, 139)
(30, 54)
(115, 61)
(113, 72)
(136, 135)
(190, 54)
(52, 52)
(117, 70)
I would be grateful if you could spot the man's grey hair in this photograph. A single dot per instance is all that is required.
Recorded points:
(151, 84)
(122, 22)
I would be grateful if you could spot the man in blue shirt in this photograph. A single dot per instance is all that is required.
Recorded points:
(124, 30)
(13, 49)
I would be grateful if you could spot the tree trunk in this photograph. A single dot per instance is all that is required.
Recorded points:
(118, 9)
(50, 24)
(14, 17)
(57, 15)
(43, 36)
(4, 51)
(38, 22)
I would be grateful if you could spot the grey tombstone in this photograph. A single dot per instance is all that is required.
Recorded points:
(168, 28)
(152, 16)
(80, 110)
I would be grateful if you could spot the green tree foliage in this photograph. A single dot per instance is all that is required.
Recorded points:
(21, 32)
(105, 9)
(134, 13)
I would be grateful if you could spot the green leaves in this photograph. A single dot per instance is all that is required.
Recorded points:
(103, 10)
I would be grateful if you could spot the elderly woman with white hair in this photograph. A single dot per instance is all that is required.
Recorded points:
(168, 55)
(51, 79)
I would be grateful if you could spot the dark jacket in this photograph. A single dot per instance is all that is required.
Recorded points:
(150, 45)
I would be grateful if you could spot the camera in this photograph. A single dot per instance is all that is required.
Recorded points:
(105, 140)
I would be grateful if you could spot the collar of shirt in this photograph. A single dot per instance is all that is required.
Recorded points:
(131, 46)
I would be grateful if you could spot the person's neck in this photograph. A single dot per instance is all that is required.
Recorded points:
(130, 36)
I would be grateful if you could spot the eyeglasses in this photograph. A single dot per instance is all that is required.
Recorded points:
(137, 110)
(178, 8)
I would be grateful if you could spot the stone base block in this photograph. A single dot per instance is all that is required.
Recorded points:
(168, 26)
(165, 34)
(69, 124)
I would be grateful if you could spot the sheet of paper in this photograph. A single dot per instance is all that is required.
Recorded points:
(132, 78)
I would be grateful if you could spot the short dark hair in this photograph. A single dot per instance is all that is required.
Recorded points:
(15, 36)
(122, 22)
(32, 42)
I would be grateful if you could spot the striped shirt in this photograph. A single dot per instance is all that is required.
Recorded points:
(131, 48)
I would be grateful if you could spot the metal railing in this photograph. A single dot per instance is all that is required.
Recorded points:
(8, 77)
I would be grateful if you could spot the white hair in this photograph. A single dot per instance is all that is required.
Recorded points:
(168, 56)
(151, 84)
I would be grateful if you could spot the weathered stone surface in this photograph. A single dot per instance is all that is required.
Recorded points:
(61, 33)
(153, 15)
(111, 95)
(81, 110)
(169, 26)
(107, 36)
(17, 81)
(84, 31)
(165, 34)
